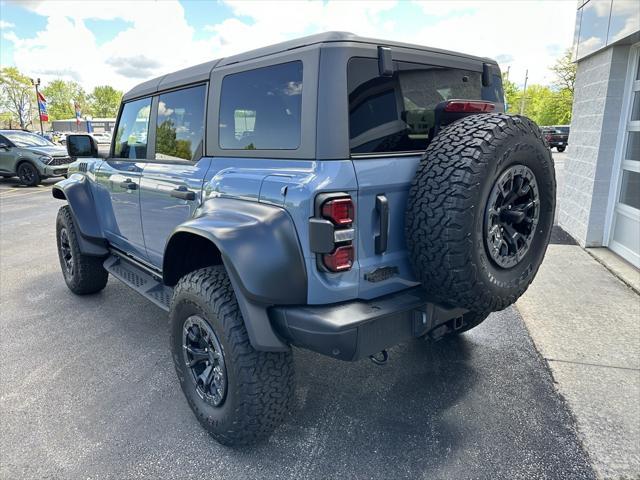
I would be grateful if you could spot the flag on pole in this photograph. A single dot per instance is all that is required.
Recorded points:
(42, 104)
(78, 113)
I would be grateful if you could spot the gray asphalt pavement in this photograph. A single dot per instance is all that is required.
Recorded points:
(87, 390)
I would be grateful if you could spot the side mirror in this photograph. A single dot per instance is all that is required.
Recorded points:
(4, 146)
(81, 146)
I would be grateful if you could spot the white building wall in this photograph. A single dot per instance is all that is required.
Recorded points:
(597, 105)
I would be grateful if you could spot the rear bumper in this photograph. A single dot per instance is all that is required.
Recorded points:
(357, 329)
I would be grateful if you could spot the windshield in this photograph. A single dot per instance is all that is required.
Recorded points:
(26, 139)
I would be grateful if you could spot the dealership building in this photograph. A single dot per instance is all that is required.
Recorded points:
(599, 203)
(97, 125)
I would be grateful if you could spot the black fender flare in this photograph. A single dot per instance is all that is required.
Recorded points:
(260, 249)
(76, 191)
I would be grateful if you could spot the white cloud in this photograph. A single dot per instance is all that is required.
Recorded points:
(518, 32)
(276, 21)
(522, 34)
(159, 40)
(6, 25)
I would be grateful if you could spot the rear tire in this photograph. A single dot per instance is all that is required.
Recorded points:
(83, 274)
(246, 393)
(28, 174)
(480, 211)
(561, 149)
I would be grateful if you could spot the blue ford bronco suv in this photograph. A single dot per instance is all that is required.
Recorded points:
(335, 193)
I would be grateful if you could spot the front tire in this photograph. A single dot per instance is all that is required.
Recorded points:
(28, 174)
(561, 149)
(83, 274)
(238, 394)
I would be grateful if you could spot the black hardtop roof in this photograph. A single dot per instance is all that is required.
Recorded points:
(201, 72)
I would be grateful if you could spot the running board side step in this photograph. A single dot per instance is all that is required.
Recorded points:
(140, 279)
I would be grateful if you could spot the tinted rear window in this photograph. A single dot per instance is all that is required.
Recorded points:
(396, 114)
(260, 109)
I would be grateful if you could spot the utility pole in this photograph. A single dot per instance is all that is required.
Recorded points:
(36, 83)
(507, 74)
(524, 91)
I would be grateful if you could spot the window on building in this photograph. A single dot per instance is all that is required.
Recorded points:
(630, 188)
(633, 146)
(397, 114)
(180, 125)
(133, 130)
(593, 26)
(261, 109)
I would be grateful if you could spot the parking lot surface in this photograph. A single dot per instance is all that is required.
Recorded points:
(88, 390)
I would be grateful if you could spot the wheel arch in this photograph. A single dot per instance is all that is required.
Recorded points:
(22, 160)
(258, 246)
(76, 191)
(186, 251)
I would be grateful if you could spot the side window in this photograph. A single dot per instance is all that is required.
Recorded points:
(180, 125)
(396, 114)
(261, 109)
(133, 130)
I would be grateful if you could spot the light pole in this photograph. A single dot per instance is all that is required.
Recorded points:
(36, 83)
(524, 91)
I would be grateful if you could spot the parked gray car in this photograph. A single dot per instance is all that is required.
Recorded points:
(31, 157)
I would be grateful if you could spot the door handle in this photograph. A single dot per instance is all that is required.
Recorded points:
(183, 193)
(382, 207)
(128, 184)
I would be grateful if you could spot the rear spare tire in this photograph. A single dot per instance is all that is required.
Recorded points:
(480, 211)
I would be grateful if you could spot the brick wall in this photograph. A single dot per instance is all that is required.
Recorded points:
(597, 104)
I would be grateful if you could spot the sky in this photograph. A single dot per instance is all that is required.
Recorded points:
(123, 43)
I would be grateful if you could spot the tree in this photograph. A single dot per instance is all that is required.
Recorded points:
(546, 105)
(540, 105)
(17, 95)
(61, 96)
(168, 144)
(565, 72)
(104, 101)
(511, 94)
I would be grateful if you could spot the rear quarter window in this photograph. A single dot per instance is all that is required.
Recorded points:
(261, 109)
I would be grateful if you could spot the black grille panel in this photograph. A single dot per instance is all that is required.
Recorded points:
(60, 161)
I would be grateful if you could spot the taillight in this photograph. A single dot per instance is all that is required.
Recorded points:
(340, 259)
(469, 106)
(332, 232)
(339, 211)
(548, 137)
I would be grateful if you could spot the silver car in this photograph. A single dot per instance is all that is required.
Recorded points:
(31, 157)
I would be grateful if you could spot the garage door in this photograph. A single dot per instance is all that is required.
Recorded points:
(625, 227)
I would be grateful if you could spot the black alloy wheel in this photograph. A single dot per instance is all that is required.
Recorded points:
(28, 174)
(204, 357)
(511, 216)
(66, 254)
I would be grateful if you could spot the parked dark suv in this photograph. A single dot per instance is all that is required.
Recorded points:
(335, 193)
(557, 136)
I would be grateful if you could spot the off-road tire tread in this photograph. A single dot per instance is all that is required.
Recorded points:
(90, 275)
(266, 381)
(441, 205)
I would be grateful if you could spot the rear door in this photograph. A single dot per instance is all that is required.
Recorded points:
(118, 179)
(171, 185)
(391, 120)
